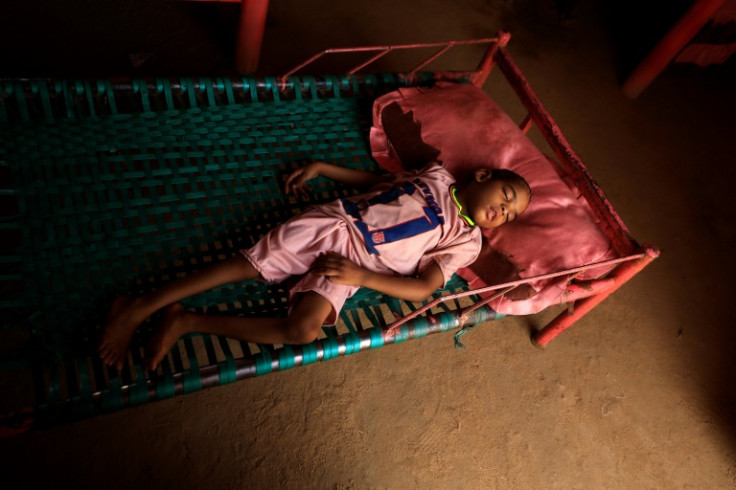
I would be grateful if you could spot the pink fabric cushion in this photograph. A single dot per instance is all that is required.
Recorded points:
(557, 231)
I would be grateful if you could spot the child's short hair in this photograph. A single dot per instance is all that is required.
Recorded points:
(510, 176)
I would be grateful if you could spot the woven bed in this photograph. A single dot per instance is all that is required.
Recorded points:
(115, 187)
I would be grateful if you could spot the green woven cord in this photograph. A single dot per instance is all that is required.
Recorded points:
(119, 190)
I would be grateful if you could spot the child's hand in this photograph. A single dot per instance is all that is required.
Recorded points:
(296, 182)
(339, 269)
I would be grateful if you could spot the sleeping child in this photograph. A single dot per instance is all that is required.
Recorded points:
(405, 238)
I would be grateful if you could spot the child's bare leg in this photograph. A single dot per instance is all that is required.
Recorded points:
(127, 313)
(302, 326)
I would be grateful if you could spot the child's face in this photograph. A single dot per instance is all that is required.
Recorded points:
(493, 202)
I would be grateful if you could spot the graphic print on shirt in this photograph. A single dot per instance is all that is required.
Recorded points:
(430, 218)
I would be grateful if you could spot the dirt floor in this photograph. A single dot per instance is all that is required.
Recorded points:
(639, 394)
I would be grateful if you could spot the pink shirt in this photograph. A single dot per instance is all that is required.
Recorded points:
(409, 223)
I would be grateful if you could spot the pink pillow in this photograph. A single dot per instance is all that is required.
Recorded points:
(466, 130)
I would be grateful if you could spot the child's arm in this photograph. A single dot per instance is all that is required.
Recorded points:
(344, 271)
(296, 182)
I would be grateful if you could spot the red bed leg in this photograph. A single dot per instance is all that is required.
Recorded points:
(622, 274)
(250, 35)
(672, 43)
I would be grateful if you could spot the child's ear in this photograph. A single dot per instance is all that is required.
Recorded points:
(482, 174)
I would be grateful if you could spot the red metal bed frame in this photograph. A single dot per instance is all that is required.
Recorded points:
(632, 257)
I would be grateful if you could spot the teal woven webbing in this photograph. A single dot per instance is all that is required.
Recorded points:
(116, 190)
(125, 202)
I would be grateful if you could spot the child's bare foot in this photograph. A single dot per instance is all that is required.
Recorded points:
(173, 326)
(123, 319)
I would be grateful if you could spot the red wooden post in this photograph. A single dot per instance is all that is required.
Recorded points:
(670, 45)
(250, 35)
